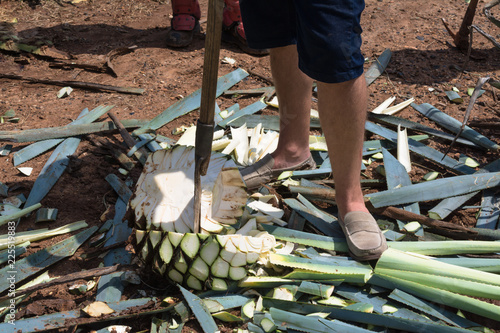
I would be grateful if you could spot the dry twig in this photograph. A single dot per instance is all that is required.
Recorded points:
(76, 84)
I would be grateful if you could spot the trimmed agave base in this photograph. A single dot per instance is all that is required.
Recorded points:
(163, 198)
(200, 261)
(162, 213)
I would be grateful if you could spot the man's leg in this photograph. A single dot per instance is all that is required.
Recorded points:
(342, 111)
(342, 108)
(294, 90)
(328, 38)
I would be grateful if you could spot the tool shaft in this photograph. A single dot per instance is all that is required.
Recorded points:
(207, 106)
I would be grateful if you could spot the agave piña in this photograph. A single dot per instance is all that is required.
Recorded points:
(162, 213)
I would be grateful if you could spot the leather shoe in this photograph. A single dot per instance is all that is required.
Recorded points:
(364, 237)
(262, 171)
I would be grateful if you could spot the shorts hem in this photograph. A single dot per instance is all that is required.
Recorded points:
(332, 77)
(270, 44)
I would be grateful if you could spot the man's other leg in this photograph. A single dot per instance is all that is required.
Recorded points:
(342, 109)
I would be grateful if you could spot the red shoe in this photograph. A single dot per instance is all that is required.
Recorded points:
(233, 31)
(185, 22)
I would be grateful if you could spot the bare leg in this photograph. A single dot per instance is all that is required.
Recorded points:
(294, 90)
(342, 108)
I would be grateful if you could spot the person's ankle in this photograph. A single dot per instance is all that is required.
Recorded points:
(284, 160)
(351, 207)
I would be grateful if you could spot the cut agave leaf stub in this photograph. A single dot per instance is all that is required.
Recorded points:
(229, 196)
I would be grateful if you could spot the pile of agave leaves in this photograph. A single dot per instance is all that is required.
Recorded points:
(276, 276)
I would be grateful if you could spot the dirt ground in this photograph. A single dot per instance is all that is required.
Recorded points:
(424, 65)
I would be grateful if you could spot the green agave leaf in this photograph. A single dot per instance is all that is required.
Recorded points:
(360, 317)
(448, 205)
(5, 150)
(454, 97)
(321, 221)
(38, 134)
(9, 113)
(191, 102)
(431, 309)
(489, 214)
(52, 170)
(200, 311)
(307, 238)
(398, 178)
(393, 120)
(380, 304)
(361, 307)
(22, 212)
(443, 248)
(249, 110)
(119, 186)
(410, 262)
(216, 304)
(123, 309)
(490, 265)
(426, 248)
(421, 149)
(40, 260)
(6, 254)
(267, 281)
(437, 189)
(438, 295)
(255, 328)
(227, 317)
(431, 175)
(110, 288)
(451, 284)
(469, 161)
(313, 324)
(454, 125)
(254, 91)
(4, 190)
(268, 122)
(349, 274)
(378, 67)
(38, 234)
(315, 288)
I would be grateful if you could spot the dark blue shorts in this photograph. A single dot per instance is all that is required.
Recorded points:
(327, 33)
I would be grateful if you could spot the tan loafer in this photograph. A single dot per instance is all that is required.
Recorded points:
(364, 238)
(262, 171)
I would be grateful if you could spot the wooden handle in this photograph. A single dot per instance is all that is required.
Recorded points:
(207, 106)
(211, 61)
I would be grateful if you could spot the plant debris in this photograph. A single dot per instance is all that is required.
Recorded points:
(305, 280)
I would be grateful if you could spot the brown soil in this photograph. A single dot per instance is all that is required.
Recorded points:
(423, 58)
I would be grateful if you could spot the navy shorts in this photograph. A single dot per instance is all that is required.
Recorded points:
(327, 33)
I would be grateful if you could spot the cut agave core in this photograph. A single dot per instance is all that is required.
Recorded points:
(164, 194)
(162, 212)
